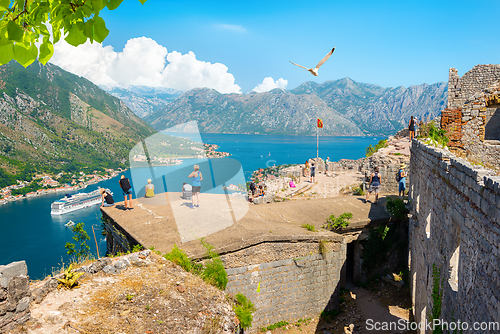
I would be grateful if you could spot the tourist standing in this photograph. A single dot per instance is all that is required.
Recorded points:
(327, 162)
(127, 191)
(197, 178)
(313, 173)
(411, 127)
(402, 180)
(374, 185)
(306, 169)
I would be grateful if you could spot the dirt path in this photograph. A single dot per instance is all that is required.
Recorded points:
(382, 303)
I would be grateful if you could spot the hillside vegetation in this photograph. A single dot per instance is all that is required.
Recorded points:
(52, 120)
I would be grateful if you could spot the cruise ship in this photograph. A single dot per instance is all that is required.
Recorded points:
(75, 202)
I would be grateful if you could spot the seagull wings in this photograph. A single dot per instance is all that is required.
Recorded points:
(299, 65)
(322, 61)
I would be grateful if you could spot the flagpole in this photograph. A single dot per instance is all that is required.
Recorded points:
(317, 145)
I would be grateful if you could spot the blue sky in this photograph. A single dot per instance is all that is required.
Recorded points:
(388, 43)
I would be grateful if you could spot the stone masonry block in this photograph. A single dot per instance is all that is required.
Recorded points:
(12, 270)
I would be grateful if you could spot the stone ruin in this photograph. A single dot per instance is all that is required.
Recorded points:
(472, 118)
(15, 295)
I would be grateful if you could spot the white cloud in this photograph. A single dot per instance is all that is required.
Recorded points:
(269, 84)
(142, 62)
(231, 27)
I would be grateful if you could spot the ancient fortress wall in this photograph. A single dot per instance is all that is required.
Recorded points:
(472, 118)
(287, 280)
(462, 89)
(456, 228)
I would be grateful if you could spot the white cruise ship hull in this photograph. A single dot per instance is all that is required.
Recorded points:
(75, 202)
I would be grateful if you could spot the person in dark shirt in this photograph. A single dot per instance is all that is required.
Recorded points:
(313, 173)
(375, 181)
(127, 190)
(106, 198)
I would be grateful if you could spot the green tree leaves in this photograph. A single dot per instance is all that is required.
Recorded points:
(23, 25)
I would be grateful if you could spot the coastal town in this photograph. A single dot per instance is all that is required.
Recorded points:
(51, 185)
(64, 182)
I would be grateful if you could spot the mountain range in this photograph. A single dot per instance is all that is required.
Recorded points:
(346, 107)
(55, 120)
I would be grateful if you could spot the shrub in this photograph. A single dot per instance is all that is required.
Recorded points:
(338, 222)
(436, 135)
(370, 150)
(214, 273)
(244, 309)
(70, 279)
(81, 237)
(137, 248)
(180, 258)
(397, 208)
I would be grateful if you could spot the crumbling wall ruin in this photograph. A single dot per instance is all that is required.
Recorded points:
(472, 119)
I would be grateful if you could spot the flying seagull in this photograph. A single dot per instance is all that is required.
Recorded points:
(314, 71)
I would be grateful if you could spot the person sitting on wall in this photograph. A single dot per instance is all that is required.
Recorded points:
(150, 189)
(106, 198)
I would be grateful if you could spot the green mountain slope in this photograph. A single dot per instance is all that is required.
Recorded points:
(52, 120)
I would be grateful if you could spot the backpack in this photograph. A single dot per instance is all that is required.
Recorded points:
(398, 175)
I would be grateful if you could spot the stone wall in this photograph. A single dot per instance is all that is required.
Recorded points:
(456, 228)
(472, 119)
(117, 239)
(287, 281)
(461, 89)
(14, 295)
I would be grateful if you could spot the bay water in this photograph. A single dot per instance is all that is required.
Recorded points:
(29, 232)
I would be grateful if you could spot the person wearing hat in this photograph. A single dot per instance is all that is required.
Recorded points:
(402, 180)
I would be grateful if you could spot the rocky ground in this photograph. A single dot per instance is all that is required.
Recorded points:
(152, 295)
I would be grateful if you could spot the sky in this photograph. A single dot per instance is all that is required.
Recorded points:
(244, 46)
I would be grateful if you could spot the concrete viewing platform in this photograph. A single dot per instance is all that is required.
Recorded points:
(230, 223)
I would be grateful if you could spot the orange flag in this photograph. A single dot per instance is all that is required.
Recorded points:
(320, 123)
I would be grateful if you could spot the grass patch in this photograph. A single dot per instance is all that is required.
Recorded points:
(322, 247)
(279, 324)
(309, 227)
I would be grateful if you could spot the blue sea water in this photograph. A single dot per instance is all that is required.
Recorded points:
(29, 232)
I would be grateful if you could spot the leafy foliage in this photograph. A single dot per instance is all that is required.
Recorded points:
(244, 309)
(213, 272)
(397, 208)
(24, 24)
(279, 324)
(180, 258)
(81, 237)
(70, 278)
(436, 136)
(437, 298)
(370, 150)
(341, 221)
